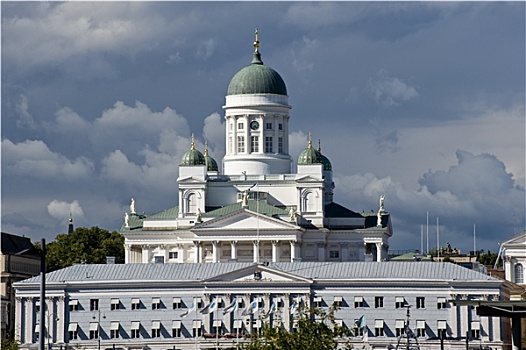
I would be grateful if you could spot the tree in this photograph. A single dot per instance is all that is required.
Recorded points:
(488, 258)
(9, 344)
(315, 329)
(89, 245)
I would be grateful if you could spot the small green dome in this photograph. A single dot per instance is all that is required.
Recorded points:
(309, 156)
(192, 157)
(327, 166)
(211, 164)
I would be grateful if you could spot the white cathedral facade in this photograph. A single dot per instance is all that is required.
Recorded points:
(257, 209)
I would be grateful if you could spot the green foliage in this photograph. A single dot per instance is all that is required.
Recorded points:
(488, 258)
(89, 245)
(9, 344)
(309, 334)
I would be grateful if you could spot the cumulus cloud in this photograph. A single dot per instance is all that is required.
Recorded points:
(477, 190)
(61, 210)
(25, 119)
(35, 159)
(214, 133)
(67, 120)
(390, 91)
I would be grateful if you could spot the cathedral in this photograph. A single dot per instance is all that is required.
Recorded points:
(257, 209)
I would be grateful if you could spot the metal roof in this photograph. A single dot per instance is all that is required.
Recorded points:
(342, 271)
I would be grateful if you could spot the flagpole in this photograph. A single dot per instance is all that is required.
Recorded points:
(257, 212)
(196, 332)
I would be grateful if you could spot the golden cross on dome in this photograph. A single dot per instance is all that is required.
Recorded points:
(310, 140)
(206, 147)
(319, 145)
(193, 143)
(256, 43)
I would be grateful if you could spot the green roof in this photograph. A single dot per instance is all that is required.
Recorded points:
(262, 208)
(257, 78)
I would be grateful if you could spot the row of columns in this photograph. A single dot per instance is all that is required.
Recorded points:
(26, 319)
(294, 249)
(462, 316)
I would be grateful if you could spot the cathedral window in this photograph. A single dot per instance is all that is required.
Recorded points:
(519, 273)
(269, 126)
(254, 144)
(241, 144)
(268, 144)
(240, 126)
(192, 203)
(172, 255)
(280, 126)
(280, 144)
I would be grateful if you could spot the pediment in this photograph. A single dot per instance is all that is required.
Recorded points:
(517, 240)
(259, 273)
(307, 178)
(189, 180)
(245, 220)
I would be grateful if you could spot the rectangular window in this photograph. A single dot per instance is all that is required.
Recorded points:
(156, 303)
(269, 126)
(136, 304)
(399, 326)
(115, 304)
(280, 144)
(475, 329)
(173, 255)
(334, 254)
(378, 302)
(94, 304)
(441, 303)
(176, 328)
(358, 332)
(176, 303)
(74, 305)
(379, 328)
(240, 126)
(156, 329)
(73, 331)
(420, 302)
(93, 330)
(241, 144)
(280, 126)
(135, 329)
(358, 302)
(114, 330)
(254, 144)
(399, 302)
(420, 328)
(338, 301)
(197, 328)
(317, 301)
(442, 329)
(268, 144)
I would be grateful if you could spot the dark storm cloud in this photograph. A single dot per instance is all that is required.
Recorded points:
(421, 101)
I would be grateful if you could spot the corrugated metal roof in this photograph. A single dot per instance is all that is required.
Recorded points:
(408, 271)
(170, 213)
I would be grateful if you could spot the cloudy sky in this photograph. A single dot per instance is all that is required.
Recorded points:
(421, 101)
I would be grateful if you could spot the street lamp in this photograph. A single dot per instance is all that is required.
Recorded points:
(48, 315)
(98, 325)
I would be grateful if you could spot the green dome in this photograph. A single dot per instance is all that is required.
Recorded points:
(327, 166)
(211, 164)
(192, 157)
(309, 156)
(257, 78)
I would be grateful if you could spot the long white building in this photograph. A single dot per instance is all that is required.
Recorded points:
(135, 306)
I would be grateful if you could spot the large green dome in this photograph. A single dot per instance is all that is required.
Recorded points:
(257, 78)
(211, 164)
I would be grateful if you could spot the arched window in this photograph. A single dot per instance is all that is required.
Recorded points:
(192, 203)
(519, 274)
(309, 202)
